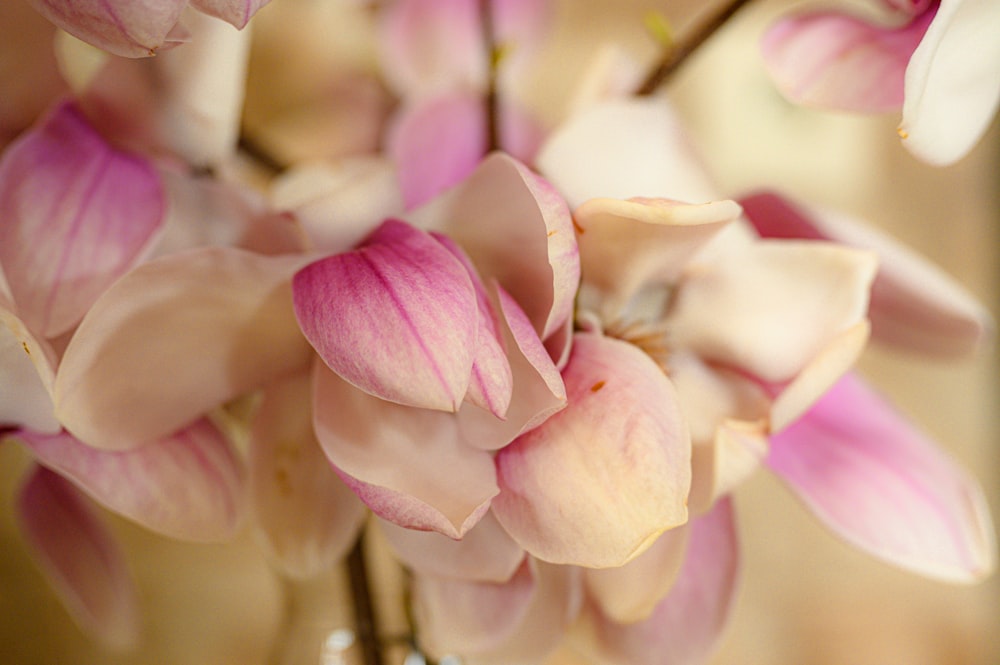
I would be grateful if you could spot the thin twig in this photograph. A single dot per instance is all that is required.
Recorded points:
(363, 608)
(493, 57)
(678, 54)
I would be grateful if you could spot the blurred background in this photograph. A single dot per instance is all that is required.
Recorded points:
(806, 597)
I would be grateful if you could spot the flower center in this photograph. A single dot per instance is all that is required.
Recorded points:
(650, 337)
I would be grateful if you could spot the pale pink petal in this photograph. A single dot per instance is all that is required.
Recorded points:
(520, 133)
(837, 61)
(175, 338)
(26, 374)
(622, 149)
(397, 317)
(772, 306)
(953, 81)
(411, 466)
(685, 627)
(626, 245)
(236, 12)
(427, 46)
(630, 593)
(914, 304)
(880, 484)
(306, 514)
(597, 482)
(123, 27)
(717, 468)
(188, 485)
(77, 213)
(80, 558)
(436, 143)
(517, 230)
(484, 554)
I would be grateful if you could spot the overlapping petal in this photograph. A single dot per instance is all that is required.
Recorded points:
(175, 338)
(598, 481)
(882, 485)
(77, 213)
(189, 485)
(27, 370)
(397, 317)
(80, 557)
(236, 12)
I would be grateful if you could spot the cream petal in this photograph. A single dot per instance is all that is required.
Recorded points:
(307, 517)
(396, 318)
(718, 467)
(189, 485)
(175, 338)
(411, 466)
(597, 482)
(880, 484)
(79, 556)
(772, 306)
(951, 82)
(26, 374)
(77, 214)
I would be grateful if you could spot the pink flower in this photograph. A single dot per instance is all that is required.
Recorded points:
(940, 66)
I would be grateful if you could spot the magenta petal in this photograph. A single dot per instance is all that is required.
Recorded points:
(123, 27)
(236, 12)
(189, 485)
(437, 142)
(880, 484)
(397, 318)
(80, 558)
(836, 61)
(76, 215)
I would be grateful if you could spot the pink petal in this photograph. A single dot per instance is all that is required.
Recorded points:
(914, 304)
(436, 143)
(630, 593)
(771, 306)
(236, 12)
(485, 554)
(522, 236)
(397, 317)
(427, 46)
(188, 485)
(125, 28)
(837, 61)
(880, 484)
(597, 482)
(411, 466)
(951, 81)
(306, 514)
(80, 558)
(76, 215)
(175, 338)
(685, 627)
(26, 375)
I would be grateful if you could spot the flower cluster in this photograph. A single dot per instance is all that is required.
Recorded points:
(536, 360)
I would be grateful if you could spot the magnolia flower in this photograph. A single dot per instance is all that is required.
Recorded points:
(137, 30)
(941, 67)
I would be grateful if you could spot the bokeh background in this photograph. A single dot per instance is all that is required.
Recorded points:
(806, 597)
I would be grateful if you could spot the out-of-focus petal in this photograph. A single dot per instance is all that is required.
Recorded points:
(80, 558)
(411, 466)
(308, 517)
(236, 12)
(339, 204)
(397, 317)
(837, 61)
(597, 482)
(914, 304)
(77, 214)
(953, 81)
(427, 46)
(436, 143)
(598, 153)
(630, 593)
(517, 230)
(26, 374)
(175, 338)
(625, 245)
(685, 627)
(189, 485)
(773, 306)
(123, 27)
(880, 484)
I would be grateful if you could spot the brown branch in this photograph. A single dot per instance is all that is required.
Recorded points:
(493, 57)
(364, 610)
